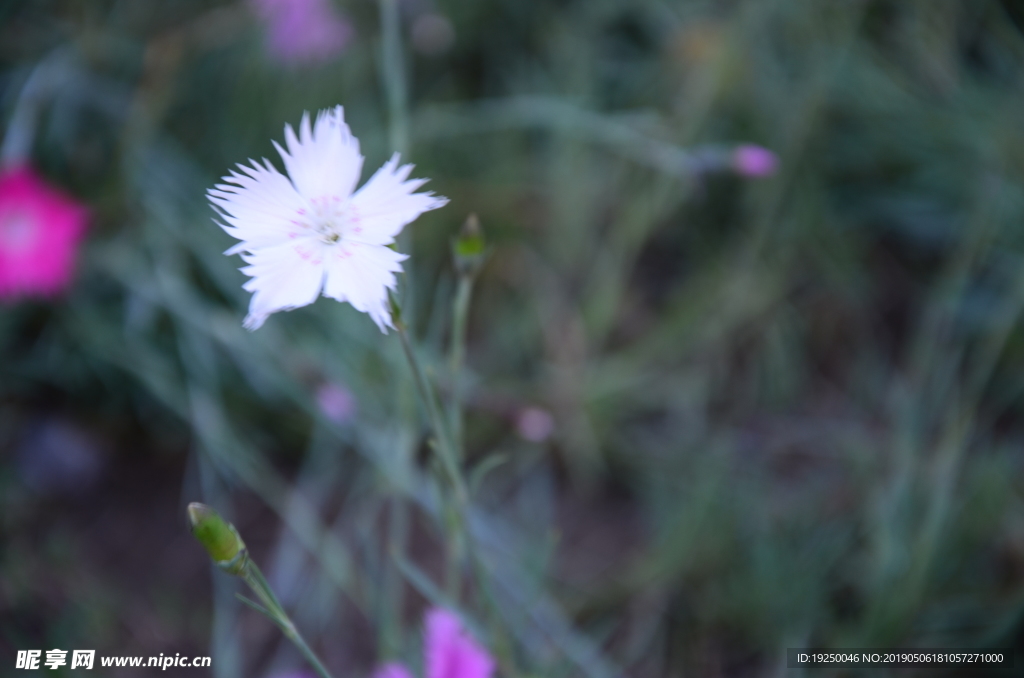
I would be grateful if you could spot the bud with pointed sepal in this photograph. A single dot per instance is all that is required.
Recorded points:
(218, 537)
(469, 248)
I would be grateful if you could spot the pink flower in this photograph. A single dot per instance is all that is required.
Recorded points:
(392, 670)
(336, 403)
(535, 424)
(751, 160)
(301, 32)
(450, 651)
(40, 228)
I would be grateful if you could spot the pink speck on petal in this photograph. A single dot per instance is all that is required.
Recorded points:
(336, 402)
(301, 32)
(40, 229)
(451, 652)
(751, 160)
(392, 670)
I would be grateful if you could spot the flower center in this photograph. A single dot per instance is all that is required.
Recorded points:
(17, 231)
(331, 218)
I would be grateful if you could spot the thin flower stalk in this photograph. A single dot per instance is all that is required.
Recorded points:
(442, 437)
(468, 254)
(393, 75)
(454, 504)
(225, 546)
(273, 610)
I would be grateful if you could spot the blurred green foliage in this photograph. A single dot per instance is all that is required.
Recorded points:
(786, 410)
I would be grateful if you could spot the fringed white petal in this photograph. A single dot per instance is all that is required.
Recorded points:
(362, 275)
(387, 202)
(282, 278)
(257, 205)
(324, 159)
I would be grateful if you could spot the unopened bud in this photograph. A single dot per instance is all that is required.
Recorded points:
(468, 249)
(218, 537)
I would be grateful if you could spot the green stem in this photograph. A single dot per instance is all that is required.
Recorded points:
(393, 73)
(452, 511)
(454, 551)
(296, 638)
(460, 315)
(275, 612)
(444, 445)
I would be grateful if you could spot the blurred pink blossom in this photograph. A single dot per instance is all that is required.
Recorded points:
(40, 228)
(303, 32)
(751, 160)
(535, 424)
(336, 402)
(392, 670)
(450, 651)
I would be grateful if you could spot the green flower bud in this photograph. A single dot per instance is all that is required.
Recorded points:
(218, 537)
(469, 247)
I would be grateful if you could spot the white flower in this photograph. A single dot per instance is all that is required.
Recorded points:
(309, 232)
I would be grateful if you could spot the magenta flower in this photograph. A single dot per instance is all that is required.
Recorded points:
(303, 32)
(754, 161)
(40, 228)
(450, 651)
